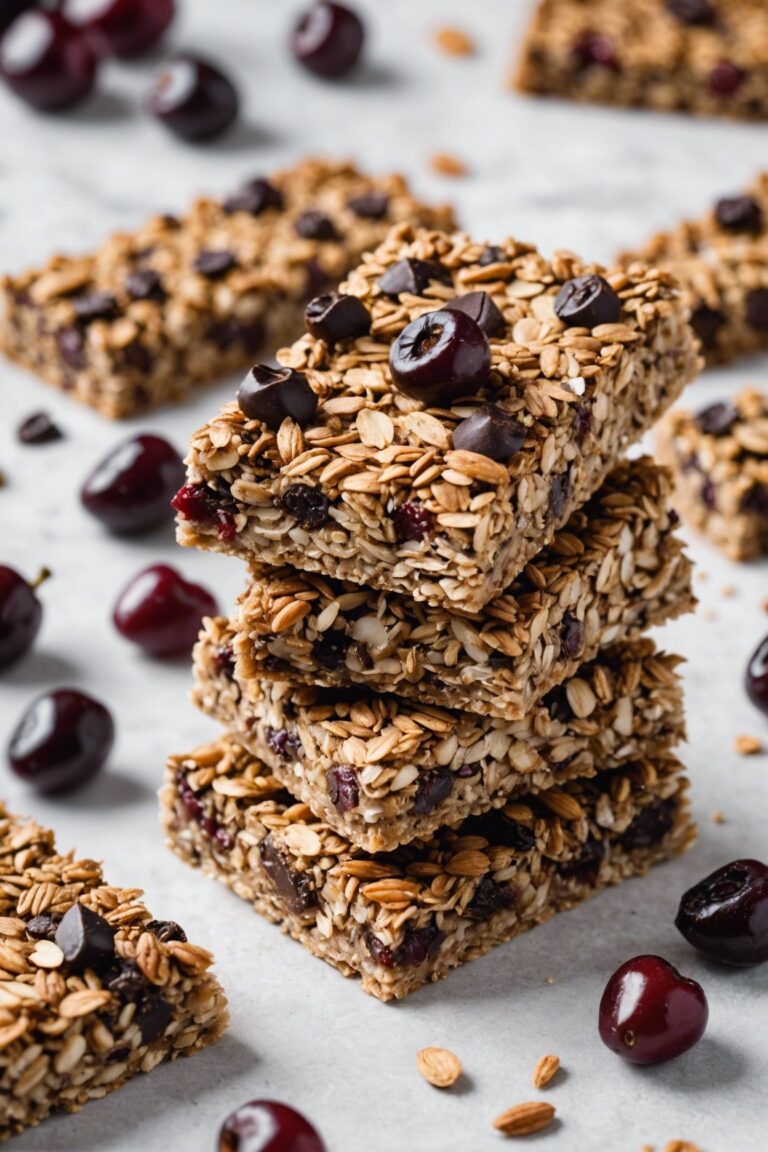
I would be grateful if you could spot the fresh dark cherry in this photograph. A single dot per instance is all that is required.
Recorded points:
(268, 1126)
(335, 317)
(272, 394)
(586, 302)
(121, 27)
(650, 1013)
(439, 357)
(328, 39)
(692, 11)
(21, 614)
(38, 429)
(717, 419)
(194, 99)
(10, 9)
(131, 489)
(161, 611)
(725, 915)
(593, 48)
(756, 678)
(726, 78)
(62, 740)
(490, 432)
(46, 62)
(739, 214)
(479, 306)
(413, 521)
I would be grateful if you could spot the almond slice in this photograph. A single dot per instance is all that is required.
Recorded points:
(439, 1066)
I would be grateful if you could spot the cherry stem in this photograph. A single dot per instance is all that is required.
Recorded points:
(43, 575)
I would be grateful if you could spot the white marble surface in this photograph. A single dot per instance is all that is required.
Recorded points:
(588, 179)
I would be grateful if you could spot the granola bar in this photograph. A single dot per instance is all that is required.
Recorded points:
(377, 490)
(614, 570)
(709, 57)
(719, 457)
(404, 919)
(181, 302)
(383, 771)
(92, 989)
(722, 262)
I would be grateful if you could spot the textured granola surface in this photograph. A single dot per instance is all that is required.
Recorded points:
(720, 461)
(407, 918)
(614, 570)
(383, 770)
(183, 301)
(373, 490)
(710, 59)
(724, 273)
(74, 1027)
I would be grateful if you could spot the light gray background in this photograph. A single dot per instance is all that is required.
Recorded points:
(588, 179)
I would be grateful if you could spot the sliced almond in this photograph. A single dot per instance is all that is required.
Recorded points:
(439, 1066)
(525, 1118)
(545, 1070)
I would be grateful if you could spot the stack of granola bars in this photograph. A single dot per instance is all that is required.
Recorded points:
(443, 721)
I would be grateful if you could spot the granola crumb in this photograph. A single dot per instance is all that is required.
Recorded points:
(717, 817)
(748, 745)
(454, 42)
(447, 164)
(439, 1066)
(708, 615)
(728, 591)
(523, 1119)
(545, 1071)
(765, 605)
(680, 1146)
(549, 980)
(702, 576)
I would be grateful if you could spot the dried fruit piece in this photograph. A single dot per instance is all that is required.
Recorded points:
(439, 1066)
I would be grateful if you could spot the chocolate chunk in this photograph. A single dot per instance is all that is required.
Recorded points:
(717, 419)
(42, 927)
(559, 495)
(126, 980)
(295, 889)
(412, 276)
(70, 343)
(692, 11)
(490, 897)
(497, 828)
(308, 506)
(369, 205)
(706, 323)
(492, 254)
(272, 394)
(315, 225)
(166, 930)
(755, 500)
(582, 423)
(213, 264)
(330, 651)
(153, 1016)
(86, 939)
(144, 284)
(434, 787)
(490, 432)
(571, 636)
(757, 309)
(650, 826)
(587, 302)
(334, 317)
(38, 429)
(479, 306)
(343, 790)
(95, 306)
(739, 214)
(255, 197)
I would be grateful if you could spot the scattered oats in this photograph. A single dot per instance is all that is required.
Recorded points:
(748, 745)
(439, 1066)
(577, 385)
(545, 1070)
(524, 1119)
(447, 164)
(454, 42)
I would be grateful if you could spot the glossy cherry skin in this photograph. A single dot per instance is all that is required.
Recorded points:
(131, 489)
(439, 357)
(194, 99)
(725, 916)
(650, 1013)
(268, 1126)
(21, 614)
(61, 741)
(756, 677)
(10, 9)
(161, 611)
(46, 62)
(328, 39)
(121, 27)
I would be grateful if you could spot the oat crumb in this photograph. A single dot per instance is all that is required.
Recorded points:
(748, 745)
(454, 42)
(717, 817)
(447, 164)
(680, 1146)
(702, 576)
(728, 591)
(549, 980)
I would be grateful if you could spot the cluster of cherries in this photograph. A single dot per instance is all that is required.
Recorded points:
(51, 53)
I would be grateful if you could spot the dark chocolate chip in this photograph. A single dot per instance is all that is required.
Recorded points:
(334, 317)
(717, 419)
(330, 651)
(272, 394)
(651, 825)
(692, 11)
(584, 868)
(559, 495)
(369, 205)
(755, 499)
(492, 254)
(144, 284)
(757, 309)
(343, 789)
(70, 342)
(308, 506)
(706, 323)
(95, 306)
(137, 355)
(739, 214)
(582, 423)
(126, 980)
(481, 308)
(295, 889)
(255, 197)
(413, 276)
(166, 930)
(434, 787)
(86, 938)
(315, 225)
(587, 302)
(213, 264)
(153, 1016)
(490, 432)
(571, 636)
(38, 429)
(42, 927)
